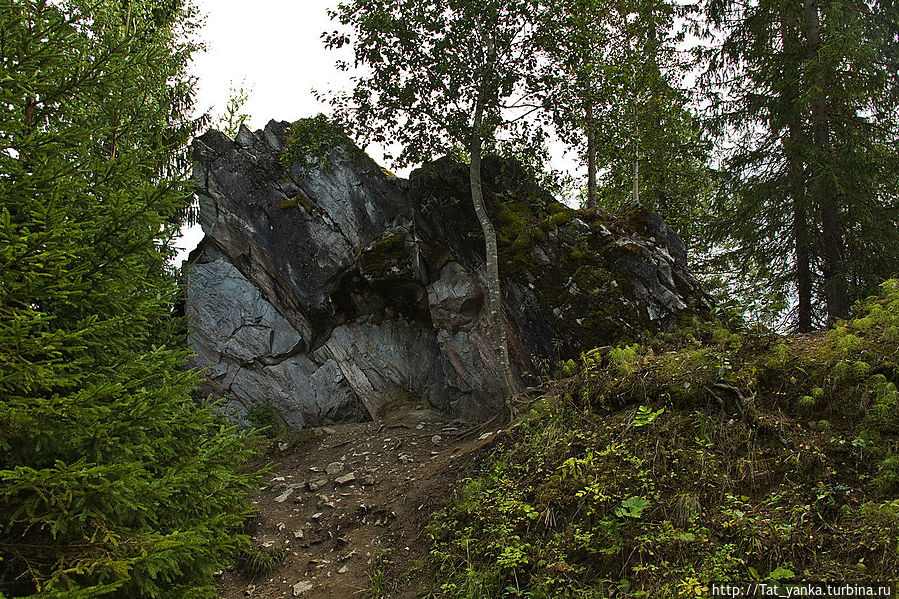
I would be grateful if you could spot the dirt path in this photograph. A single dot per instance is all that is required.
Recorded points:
(350, 507)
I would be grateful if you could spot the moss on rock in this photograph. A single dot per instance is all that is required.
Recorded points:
(385, 258)
(299, 201)
(591, 273)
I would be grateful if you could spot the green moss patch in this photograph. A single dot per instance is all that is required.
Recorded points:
(385, 258)
(299, 201)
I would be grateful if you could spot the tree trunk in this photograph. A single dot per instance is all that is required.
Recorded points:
(636, 146)
(631, 63)
(800, 229)
(636, 159)
(586, 35)
(591, 159)
(835, 285)
(803, 265)
(494, 293)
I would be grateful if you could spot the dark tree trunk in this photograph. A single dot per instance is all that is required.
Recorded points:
(803, 265)
(835, 285)
(798, 196)
(591, 160)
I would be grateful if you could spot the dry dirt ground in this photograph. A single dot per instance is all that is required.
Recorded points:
(349, 508)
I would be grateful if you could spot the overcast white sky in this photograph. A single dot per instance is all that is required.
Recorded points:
(275, 47)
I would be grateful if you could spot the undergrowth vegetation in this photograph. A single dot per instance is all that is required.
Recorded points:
(712, 454)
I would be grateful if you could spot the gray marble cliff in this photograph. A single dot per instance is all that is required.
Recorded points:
(331, 289)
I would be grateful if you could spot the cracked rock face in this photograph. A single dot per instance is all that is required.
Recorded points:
(329, 292)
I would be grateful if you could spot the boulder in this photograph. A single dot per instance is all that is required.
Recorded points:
(330, 288)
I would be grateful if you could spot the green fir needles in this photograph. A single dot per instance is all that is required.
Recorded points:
(113, 480)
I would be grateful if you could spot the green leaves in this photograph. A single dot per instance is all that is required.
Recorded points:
(431, 64)
(610, 85)
(780, 573)
(645, 416)
(632, 507)
(313, 139)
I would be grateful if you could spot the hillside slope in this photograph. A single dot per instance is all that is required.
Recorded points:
(705, 456)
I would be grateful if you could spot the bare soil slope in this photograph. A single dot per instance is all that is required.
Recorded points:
(350, 507)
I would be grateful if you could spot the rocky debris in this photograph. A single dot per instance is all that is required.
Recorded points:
(283, 496)
(334, 468)
(302, 587)
(315, 485)
(345, 479)
(327, 291)
(330, 535)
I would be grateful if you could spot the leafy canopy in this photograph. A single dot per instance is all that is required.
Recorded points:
(430, 64)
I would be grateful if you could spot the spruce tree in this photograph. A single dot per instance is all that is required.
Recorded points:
(113, 480)
(805, 104)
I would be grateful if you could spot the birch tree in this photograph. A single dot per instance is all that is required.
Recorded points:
(611, 84)
(441, 74)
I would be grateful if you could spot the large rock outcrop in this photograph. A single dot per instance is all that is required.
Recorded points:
(333, 288)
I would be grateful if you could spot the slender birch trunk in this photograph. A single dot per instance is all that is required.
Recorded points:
(494, 292)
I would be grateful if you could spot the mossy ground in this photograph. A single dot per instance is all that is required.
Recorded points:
(707, 455)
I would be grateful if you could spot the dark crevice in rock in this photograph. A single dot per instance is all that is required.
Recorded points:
(276, 359)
